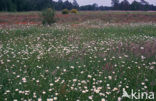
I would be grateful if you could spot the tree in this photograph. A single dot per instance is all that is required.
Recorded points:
(143, 2)
(95, 6)
(7, 5)
(60, 1)
(75, 4)
(34, 5)
(43, 4)
(124, 5)
(145, 5)
(135, 5)
(115, 4)
(67, 5)
(59, 5)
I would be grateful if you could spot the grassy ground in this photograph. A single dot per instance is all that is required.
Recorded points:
(77, 62)
(105, 16)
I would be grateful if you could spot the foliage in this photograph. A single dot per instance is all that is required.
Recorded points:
(24, 5)
(48, 16)
(74, 11)
(75, 4)
(124, 5)
(65, 11)
(34, 5)
(115, 4)
(135, 5)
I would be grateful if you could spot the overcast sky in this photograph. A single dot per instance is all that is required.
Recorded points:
(104, 2)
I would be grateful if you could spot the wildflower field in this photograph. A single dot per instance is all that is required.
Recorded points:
(86, 61)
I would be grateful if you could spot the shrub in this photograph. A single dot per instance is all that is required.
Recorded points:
(65, 11)
(74, 11)
(48, 16)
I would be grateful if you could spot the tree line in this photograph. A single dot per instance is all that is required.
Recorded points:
(125, 5)
(37, 5)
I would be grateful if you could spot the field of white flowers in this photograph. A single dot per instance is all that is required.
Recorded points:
(89, 61)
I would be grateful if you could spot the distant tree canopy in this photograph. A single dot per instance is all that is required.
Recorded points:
(37, 5)
(24, 5)
(115, 4)
(135, 5)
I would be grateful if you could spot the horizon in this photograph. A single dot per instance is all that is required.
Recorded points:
(104, 2)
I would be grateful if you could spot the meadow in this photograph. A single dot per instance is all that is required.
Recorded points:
(88, 60)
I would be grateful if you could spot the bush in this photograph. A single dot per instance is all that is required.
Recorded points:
(74, 11)
(65, 11)
(48, 16)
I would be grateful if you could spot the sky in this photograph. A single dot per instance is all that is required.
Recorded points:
(104, 2)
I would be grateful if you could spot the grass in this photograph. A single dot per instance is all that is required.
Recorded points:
(120, 12)
(65, 63)
(20, 13)
(82, 16)
(83, 12)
